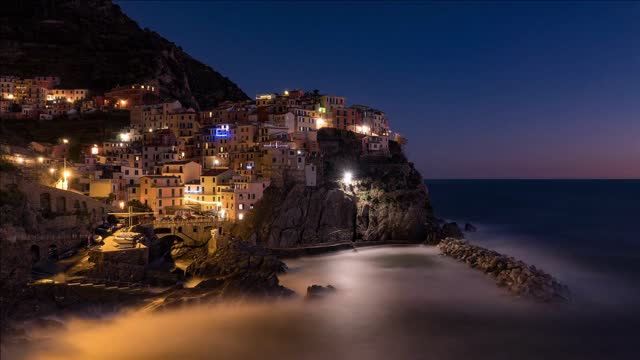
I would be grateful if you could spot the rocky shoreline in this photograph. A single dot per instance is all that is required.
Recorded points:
(518, 277)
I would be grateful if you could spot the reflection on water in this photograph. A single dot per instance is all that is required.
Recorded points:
(391, 303)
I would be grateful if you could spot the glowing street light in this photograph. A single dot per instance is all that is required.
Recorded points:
(40, 159)
(65, 141)
(51, 171)
(347, 178)
(319, 123)
(216, 162)
(123, 103)
(121, 204)
(124, 137)
(20, 160)
(95, 150)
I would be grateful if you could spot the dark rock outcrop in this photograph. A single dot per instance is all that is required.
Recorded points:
(452, 230)
(387, 201)
(37, 37)
(521, 279)
(315, 292)
(468, 227)
(241, 269)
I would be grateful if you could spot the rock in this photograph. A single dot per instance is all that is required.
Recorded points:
(318, 292)
(517, 277)
(212, 283)
(452, 230)
(47, 323)
(387, 201)
(243, 270)
(469, 228)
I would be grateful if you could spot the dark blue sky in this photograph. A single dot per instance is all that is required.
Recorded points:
(482, 90)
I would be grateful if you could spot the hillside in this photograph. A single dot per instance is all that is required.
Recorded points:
(93, 44)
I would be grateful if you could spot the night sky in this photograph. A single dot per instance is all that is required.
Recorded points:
(482, 90)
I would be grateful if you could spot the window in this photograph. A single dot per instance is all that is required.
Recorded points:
(159, 202)
(241, 206)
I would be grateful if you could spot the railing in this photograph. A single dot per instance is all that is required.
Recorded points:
(49, 237)
(187, 222)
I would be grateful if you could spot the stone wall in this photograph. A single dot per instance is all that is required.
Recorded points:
(122, 265)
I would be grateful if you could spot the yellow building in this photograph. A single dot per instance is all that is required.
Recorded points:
(161, 193)
(205, 194)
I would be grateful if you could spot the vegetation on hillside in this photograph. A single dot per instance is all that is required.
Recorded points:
(85, 129)
(93, 44)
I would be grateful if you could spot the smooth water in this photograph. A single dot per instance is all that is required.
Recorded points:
(586, 232)
(396, 303)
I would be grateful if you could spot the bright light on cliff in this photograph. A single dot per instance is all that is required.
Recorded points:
(124, 137)
(348, 176)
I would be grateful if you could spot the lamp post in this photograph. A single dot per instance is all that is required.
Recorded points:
(121, 204)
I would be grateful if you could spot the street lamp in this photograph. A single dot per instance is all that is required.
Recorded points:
(65, 141)
(121, 204)
(51, 171)
(348, 176)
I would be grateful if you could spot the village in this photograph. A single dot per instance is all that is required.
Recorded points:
(176, 162)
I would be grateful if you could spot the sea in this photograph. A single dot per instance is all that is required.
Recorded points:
(586, 232)
(410, 302)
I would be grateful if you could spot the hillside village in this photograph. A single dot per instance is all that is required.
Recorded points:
(181, 162)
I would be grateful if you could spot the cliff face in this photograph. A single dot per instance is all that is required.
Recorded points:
(386, 201)
(93, 44)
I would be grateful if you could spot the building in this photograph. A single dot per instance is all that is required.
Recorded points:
(7, 87)
(375, 146)
(68, 95)
(161, 193)
(205, 194)
(186, 170)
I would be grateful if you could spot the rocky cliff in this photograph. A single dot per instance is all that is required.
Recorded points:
(386, 201)
(93, 44)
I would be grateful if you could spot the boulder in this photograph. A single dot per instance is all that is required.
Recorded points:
(452, 230)
(468, 227)
(315, 292)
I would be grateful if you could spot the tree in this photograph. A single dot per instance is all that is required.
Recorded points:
(137, 206)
